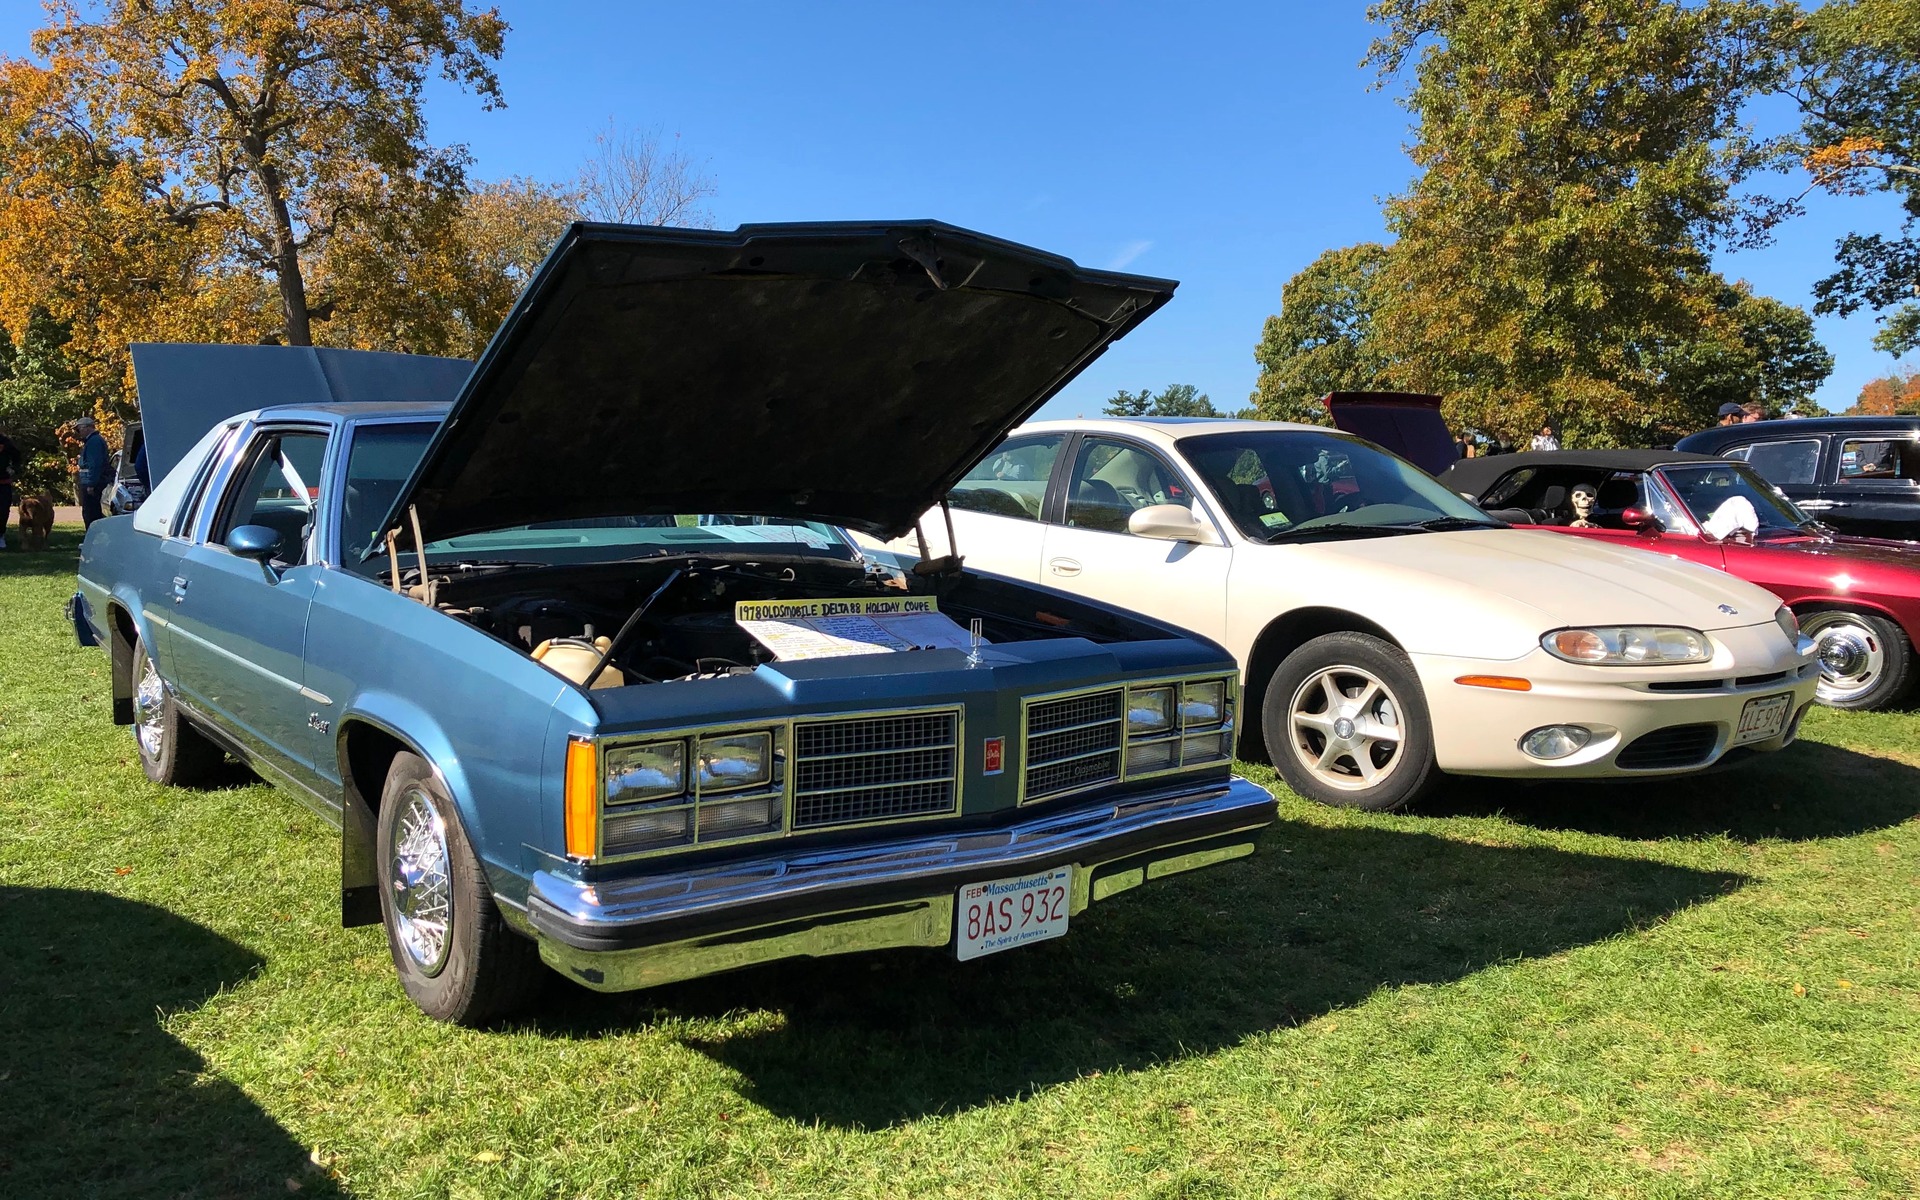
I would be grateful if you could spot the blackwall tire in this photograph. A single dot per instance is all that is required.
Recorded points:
(456, 957)
(172, 751)
(1346, 724)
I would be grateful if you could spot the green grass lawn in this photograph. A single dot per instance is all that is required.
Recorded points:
(1708, 988)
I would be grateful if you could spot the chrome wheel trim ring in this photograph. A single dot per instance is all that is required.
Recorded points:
(149, 707)
(419, 875)
(1851, 655)
(1347, 728)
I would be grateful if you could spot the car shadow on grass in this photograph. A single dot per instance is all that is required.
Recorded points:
(1320, 919)
(96, 1099)
(1809, 790)
(61, 557)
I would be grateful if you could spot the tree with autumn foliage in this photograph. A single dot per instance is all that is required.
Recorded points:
(1889, 396)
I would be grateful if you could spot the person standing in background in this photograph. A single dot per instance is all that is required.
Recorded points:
(9, 466)
(1752, 411)
(96, 469)
(1544, 440)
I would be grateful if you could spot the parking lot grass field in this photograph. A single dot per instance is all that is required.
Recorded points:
(1706, 988)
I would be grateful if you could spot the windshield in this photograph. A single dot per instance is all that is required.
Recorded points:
(1279, 482)
(384, 456)
(1704, 489)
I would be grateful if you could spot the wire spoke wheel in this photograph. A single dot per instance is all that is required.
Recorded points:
(149, 712)
(1346, 727)
(1851, 653)
(419, 873)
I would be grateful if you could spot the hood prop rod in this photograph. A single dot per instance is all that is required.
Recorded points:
(947, 564)
(428, 588)
(620, 636)
(393, 559)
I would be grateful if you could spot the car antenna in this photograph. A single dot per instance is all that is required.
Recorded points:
(947, 564)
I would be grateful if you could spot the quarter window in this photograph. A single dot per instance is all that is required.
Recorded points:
(1889, 459)
(1012, 481)
(1112, 480)
(1783, 464)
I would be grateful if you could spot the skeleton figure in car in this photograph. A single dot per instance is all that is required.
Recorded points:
(1583, 497)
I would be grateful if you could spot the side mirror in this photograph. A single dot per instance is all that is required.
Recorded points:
(1641, 521)
(257, 542)
(1172, 523)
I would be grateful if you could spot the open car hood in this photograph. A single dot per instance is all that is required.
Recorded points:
(185, 389)
(844, 373)
(1407, 423)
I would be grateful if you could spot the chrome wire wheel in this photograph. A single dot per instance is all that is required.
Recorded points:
(1851, 654)
(149, 709)
(1346, 727)
(420, 876)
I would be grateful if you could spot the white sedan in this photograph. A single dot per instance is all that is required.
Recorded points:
(1388, 630)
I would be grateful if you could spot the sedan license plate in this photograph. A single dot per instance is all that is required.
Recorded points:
(1003, 913)
(1763, 718)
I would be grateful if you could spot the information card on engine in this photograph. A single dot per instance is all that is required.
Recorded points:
(797, 629)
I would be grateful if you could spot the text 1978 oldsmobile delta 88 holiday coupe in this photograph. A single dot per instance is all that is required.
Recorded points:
(588, 671)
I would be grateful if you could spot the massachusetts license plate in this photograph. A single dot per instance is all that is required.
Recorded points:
(1003, 913)
(1763, 718)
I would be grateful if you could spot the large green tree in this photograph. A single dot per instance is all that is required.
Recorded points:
(1577, 159)
(1858, 83)
(1322, 339)
(1174, 400)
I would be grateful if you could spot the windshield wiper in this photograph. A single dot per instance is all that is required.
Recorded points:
(1313, 533)
(1441, 524)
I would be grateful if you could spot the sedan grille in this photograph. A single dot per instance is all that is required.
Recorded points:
(1073, 743)
(1670, 748)
(849, 772)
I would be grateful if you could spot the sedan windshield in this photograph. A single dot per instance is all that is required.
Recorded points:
(1707, 488)
(1295, 484)
(384, 456)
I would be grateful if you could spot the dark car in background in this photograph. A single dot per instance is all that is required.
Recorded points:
(1861, 475)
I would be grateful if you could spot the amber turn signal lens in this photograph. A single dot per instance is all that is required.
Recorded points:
(1505, 683)
(582, 798)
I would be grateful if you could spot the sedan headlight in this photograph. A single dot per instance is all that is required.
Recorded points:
(1788, 622)
(653, 771)
(1149, 710)
(734, 761)
(1204, 703)
(1628, 645)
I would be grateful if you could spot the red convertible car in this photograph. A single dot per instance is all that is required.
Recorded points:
(1858, 598)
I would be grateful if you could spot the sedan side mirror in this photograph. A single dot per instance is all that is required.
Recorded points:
(1172, 523)
(1642, 521)
(257, 542)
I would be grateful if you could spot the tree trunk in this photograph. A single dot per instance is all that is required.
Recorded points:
(286, 261)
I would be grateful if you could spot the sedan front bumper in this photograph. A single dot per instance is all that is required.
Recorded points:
(661, 927)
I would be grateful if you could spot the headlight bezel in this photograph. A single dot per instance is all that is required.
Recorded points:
(1190, 739)
(674, 815)
(1628, 645)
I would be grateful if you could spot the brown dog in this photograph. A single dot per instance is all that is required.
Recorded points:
(36, 521)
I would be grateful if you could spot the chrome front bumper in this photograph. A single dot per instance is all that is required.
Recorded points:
(654, 929)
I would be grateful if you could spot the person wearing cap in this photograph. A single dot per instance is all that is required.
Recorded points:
(96, 469)
(1732, 413)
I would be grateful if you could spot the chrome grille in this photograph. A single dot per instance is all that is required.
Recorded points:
(875, 768)
(1073, 743)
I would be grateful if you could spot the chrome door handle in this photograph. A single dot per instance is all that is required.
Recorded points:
(1065, 566)
(179, 588)
(1815, 505)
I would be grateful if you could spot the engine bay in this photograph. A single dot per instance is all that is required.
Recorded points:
(621, 624)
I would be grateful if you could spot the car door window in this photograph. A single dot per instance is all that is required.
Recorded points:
(1012, 481)
(1885, 460)
(1782, 464)
(279, 487)
(1113, 480)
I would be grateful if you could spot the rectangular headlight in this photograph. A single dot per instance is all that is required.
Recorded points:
(1149, 710)
(649, 772)
(1203, 704)
(734, 761)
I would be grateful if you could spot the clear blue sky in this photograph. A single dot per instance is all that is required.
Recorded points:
(1222, 145)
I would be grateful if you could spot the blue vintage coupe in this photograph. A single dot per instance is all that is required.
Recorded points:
(573, 647)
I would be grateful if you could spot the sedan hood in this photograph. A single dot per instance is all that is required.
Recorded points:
(845, 373)
(1567, 581)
